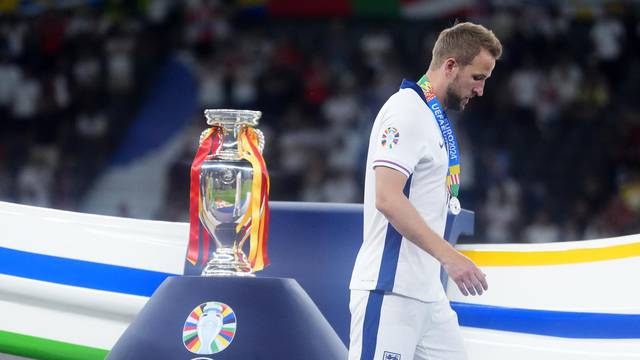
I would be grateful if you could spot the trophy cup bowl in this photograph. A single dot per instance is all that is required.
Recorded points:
(225, 193)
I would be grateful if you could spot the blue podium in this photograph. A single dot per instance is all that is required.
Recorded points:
(217, 318)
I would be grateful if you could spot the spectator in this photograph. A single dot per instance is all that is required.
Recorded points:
(542, 230)
(35, 178)
(501, 214)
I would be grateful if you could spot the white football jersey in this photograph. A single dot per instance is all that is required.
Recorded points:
(405, 137)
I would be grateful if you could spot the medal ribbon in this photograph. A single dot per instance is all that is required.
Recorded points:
(210, 141)
(448, 134)
(255, 222)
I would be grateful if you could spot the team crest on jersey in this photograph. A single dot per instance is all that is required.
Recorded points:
(390, 138)
(388, 355)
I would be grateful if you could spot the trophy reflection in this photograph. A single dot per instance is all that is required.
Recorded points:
(233, 200)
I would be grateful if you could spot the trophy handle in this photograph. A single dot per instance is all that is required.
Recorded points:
(202, 135)
(260, 139)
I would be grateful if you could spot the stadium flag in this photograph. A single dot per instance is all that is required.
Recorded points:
(297, 8)
(368, 8)
(252, 8)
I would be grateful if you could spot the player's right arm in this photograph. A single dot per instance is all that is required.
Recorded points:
(396, 207)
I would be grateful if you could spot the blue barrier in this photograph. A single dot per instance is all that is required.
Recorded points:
(316, 244)
(331, 296)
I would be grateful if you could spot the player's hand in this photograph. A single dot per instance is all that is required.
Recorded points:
(465, 273)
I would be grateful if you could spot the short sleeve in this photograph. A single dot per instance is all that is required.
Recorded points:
(399, 143)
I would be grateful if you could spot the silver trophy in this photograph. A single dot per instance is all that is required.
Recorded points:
(225, 193)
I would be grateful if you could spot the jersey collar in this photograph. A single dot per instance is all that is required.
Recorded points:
(407, 84)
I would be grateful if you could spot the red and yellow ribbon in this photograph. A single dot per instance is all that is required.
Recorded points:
(255, 222)
(210, 141)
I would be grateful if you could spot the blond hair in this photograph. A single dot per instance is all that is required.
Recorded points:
(463, 42)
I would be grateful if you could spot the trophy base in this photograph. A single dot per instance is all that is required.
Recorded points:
(229, 263)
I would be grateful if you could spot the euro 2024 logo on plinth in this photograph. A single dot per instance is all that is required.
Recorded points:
(209, 328)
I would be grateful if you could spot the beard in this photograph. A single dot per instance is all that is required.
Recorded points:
(454, 100)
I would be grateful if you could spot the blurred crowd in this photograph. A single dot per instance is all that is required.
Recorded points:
(551, 152)
(71, 79)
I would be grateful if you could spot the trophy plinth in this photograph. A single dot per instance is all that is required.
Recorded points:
(263, 318)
